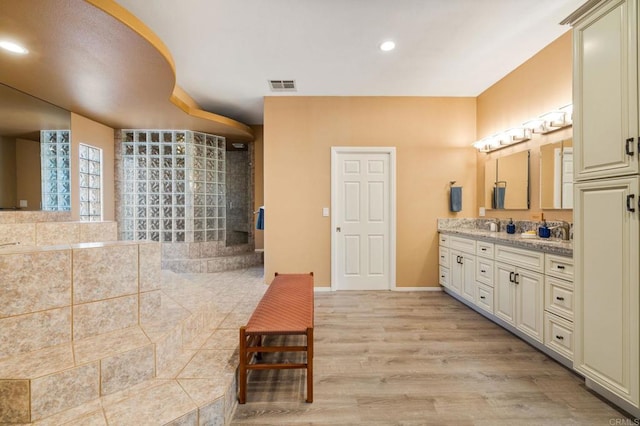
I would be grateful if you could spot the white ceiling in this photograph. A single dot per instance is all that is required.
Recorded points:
(225, 51)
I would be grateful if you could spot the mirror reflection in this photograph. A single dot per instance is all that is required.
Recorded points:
(556, 175)
(507, 182)
(22, 117)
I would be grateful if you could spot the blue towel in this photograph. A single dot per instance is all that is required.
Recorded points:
(499, 194)
(260, 221)
(455, 198)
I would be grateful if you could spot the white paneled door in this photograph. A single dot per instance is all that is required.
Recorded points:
(362, 219)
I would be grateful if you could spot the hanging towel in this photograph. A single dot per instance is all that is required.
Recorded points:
(455, 198)
(499, 192)
(260, 221)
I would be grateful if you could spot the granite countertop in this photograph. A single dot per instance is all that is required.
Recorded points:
(546, 245)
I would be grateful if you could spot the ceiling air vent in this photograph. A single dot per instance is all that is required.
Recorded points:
(282, 85)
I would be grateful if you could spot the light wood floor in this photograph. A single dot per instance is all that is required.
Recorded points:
(421, 358)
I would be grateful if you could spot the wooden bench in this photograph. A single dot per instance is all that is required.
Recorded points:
(285, 309)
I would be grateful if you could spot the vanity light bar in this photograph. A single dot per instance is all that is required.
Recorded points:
(546, 123)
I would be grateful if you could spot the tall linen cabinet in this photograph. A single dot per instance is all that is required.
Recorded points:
(606, 195)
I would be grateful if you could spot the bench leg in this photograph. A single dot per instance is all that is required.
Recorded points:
(242, 369)
(309, 364)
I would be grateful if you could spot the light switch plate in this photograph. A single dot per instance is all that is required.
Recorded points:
(482, 211)
(23, 203)
(325, 211)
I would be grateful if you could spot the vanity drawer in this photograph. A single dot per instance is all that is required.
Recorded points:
(558, 335)
(484, 249)
(528, 259)
(443, 258)
(484, 297)
(463, 244)
(559, 297)
(444, 240)
(443, 277)
(559, 266)
(484, 271)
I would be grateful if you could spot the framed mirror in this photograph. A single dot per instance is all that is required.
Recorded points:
(507, 182)
(22, 118)
(556, 175)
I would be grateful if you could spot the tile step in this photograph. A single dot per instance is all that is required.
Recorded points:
(214, 264)
(38, 384)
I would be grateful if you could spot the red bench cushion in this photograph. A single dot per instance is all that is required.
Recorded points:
(286, 307)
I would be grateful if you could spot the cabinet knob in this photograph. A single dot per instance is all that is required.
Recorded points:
(482, 297)
(559, 337)
(560, 267)
(483, 271)
(483, 249)
(559, 298)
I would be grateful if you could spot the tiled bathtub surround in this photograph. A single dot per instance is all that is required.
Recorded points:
(176, 366)
(38, 284)
(55, 233)
(28, 216)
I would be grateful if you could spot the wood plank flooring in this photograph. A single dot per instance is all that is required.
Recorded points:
(419, 358)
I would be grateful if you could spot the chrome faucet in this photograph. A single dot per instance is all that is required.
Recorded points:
(496, 221)
(565, 227)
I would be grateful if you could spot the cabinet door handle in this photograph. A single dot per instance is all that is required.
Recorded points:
(512, 277)
(560, 266)
(515, 279)
(483, 271)
(630, 198)
(482, 297)
(483, 249)
(629, 146)
(559, 337)
(559, 298)
(442, 276)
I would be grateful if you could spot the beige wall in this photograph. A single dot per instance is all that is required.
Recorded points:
(93, 133)
(28, 173)
(258, 180)
(7, 172)
(432, 137)
(541, 84)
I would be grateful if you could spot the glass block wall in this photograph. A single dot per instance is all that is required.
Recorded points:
(55, 150)
(90, 183)
(173, 186)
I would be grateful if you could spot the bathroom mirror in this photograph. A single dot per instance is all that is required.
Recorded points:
(22, 117)
(556, 175)
(507, 182)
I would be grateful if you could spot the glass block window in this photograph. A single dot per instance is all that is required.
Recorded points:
(55, 170)
(173, 186)
(90, 183)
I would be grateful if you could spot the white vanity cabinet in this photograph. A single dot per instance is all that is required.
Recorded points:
(559, 305)
(605, 86)
(519, 299)
(606, 193)
(484, 276)
(524, 290)
(462, 263)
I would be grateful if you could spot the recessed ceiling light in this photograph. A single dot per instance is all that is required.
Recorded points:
(387, 46)
(13, 47)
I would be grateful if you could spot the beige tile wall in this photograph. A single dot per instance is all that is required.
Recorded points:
(96, 284)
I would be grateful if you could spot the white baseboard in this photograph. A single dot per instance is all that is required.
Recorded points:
(321, 289)
(417, 288)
